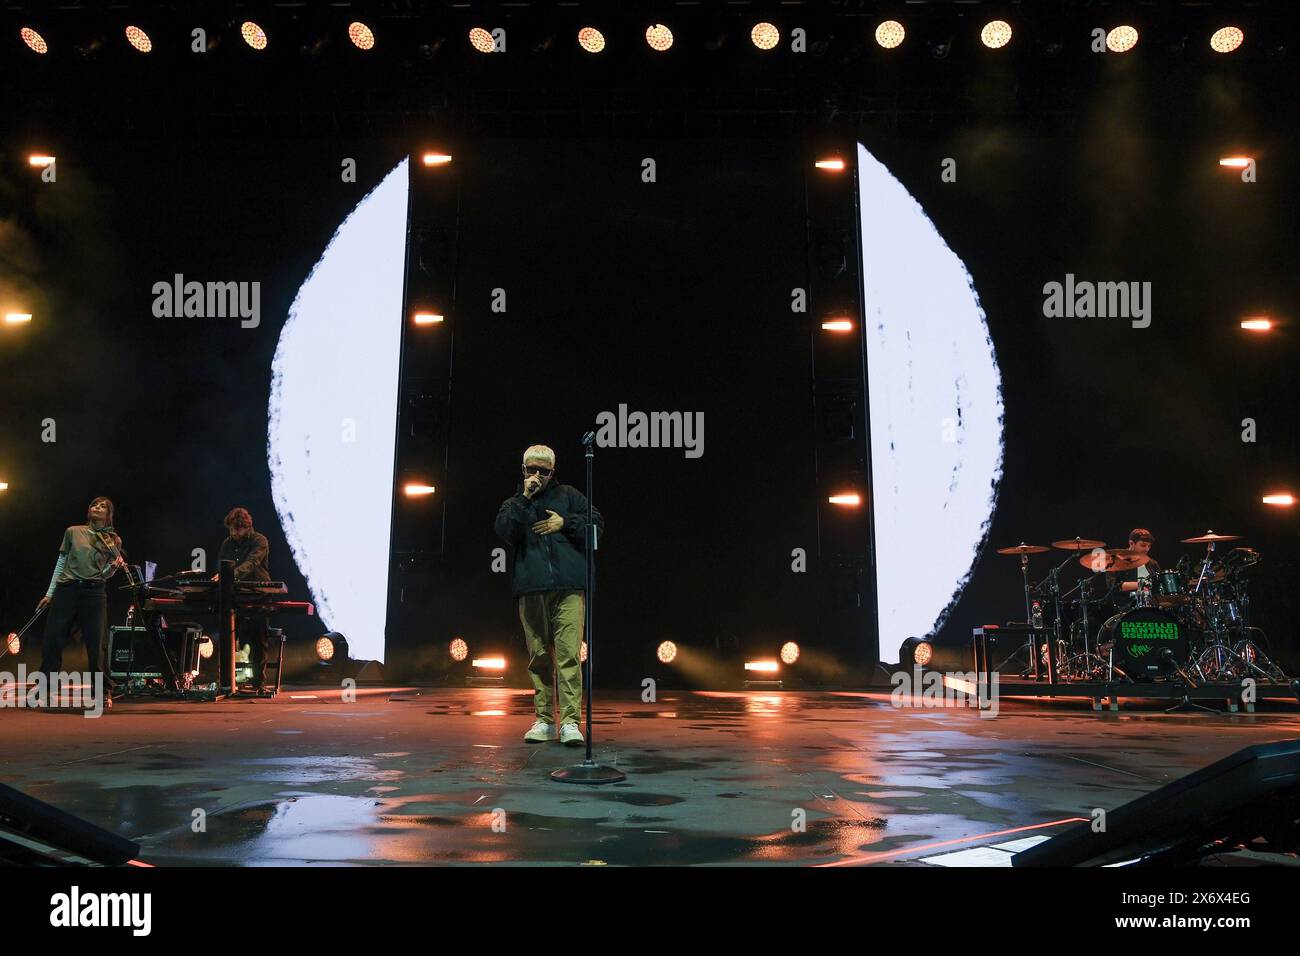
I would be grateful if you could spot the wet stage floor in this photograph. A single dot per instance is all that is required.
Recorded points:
(442, 776)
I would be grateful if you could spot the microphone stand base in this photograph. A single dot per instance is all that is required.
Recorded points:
(588, 772)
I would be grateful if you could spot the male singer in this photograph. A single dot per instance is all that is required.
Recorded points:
(546, 524)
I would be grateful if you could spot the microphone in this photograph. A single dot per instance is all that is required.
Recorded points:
(588, 438)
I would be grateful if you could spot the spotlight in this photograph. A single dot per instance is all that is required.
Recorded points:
(253, 35)
(458, 649)
(996, 34)
(667, 652)
(659, 37)
(765, 35)
(1279, 500)
(482, 41)
(1121, 39)
(762, 667)
(362, 37)
(12, 644)
(582, 653)
(207, 648)
(35, 42)
(1256, 324)
(848, 499)
(4, 486)
(831, 165)
(837, 325)
(1226, 39)
(17, 318)
(915, 652)
(324, 649)
(39, 160)
(591, 40)
(1235, 162)
(428, 318)
(415, 490)
(889, 34)
(789, 652)
(139, 39)
(435, 159)
(490, 663)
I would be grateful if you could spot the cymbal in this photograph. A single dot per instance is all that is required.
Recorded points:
(1023, 548)
(1078, 544)
(1115, 559)
(1209, 537)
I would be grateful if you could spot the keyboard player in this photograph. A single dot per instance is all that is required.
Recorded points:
(249, 550)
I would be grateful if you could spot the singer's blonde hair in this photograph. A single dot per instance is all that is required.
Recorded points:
(540, 453)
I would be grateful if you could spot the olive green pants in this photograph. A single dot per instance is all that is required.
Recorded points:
(552, 623)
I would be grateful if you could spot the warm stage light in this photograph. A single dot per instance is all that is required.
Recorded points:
(923, 652)
(362, 37)
(1226, 39)
(415, 490)
(428, 318)
(17, 318)
(659, 37)
(490, 663)
(13, 644)
(789, 652)
(765, 35)
(1121, 39)
(4, 486)
(996, 34)
(1279, 500)
(1235, 162)
(435, 159)
(482, 41)
(837, 325)
(253, 35)
(890, 34)
(582, 653)
(458, 649)
(591, 40)
(34, 40)
(667, 652)
(847, 500)
(833, 165)
(207, 648)
(915, 652)
(39, 159)
(139, 39)
(325, 649)
(1256, 325)
(765, 667)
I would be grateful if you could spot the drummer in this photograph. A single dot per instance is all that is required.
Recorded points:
(1123, 584)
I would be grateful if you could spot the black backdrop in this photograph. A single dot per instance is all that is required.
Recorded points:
(1106, 426)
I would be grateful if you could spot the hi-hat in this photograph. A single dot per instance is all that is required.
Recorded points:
(1079, 544)
(1023, 548)
(1114, 560)
(1210, 537)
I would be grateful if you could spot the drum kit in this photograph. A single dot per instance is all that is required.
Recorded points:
(1190, 622)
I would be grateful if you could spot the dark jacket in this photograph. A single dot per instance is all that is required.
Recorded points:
(249, 555)
(547, 562)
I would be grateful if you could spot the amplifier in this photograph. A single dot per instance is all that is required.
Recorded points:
(134, 652)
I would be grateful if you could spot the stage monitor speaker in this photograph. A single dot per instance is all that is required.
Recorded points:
(134, 652)
(34, 833)
(1250, 798)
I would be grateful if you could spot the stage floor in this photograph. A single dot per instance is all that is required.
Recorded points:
(441, 776)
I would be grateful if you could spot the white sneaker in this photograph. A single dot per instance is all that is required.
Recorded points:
(540, 732)
(571, 736)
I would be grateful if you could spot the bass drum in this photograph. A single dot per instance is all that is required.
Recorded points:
(1149, 642)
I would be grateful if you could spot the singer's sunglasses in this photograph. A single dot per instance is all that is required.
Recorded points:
(538, 470)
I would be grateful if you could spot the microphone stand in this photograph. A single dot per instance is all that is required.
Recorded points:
(589, 771)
